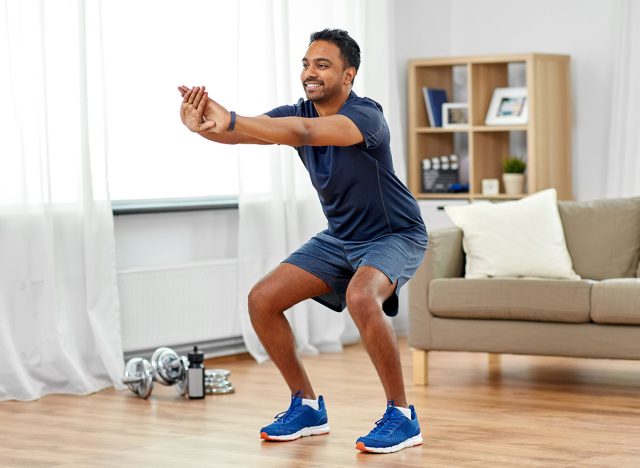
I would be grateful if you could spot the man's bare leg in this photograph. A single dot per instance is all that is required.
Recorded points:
(269, 298)
(368, 289)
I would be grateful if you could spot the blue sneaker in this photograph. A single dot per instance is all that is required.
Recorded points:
(298, 421)
(392, 433)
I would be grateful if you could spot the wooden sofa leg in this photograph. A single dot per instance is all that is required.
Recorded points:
(494, 360)
(420, 367)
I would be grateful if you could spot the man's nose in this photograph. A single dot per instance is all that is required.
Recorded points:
(310, 72)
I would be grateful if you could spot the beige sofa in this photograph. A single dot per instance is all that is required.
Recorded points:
(597, 316)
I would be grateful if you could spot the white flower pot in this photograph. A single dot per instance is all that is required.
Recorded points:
(513, 183)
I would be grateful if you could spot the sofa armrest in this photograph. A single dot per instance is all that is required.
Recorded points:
(444, 259)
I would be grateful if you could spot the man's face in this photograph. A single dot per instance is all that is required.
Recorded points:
(323, 71)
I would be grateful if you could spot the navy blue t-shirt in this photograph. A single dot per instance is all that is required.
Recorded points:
(358, 189)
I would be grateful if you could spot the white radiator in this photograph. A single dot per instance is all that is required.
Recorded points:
(178, 305)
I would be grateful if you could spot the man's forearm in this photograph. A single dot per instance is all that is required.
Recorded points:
(232, 138)
(292, 131)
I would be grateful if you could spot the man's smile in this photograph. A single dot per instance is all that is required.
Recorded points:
(312, 85)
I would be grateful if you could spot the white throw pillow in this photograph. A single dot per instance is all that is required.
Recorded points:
(515, 238)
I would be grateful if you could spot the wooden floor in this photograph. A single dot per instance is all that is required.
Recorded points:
(522, 411)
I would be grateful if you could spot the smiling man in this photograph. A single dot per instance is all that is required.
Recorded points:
(374, 242)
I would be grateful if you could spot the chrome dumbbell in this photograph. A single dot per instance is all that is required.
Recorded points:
(182, 385)
(166, 367)
(170, 368)
(138, 376)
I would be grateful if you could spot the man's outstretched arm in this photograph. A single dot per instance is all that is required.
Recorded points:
(335, 130)
(194, 111)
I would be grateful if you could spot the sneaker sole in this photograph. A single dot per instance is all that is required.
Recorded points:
(304, 432)
(412, 442)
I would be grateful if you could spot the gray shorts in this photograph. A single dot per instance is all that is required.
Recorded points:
(335, 261)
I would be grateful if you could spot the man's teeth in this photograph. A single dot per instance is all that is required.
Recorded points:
(313, 85)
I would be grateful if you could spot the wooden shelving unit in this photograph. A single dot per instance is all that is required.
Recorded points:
(547, 133)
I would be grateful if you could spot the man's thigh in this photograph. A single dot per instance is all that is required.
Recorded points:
(288, 285)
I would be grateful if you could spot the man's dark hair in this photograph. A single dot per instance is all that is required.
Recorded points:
(349, 49)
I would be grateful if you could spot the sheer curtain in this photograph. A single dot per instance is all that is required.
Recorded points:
(59, 311)
(279, 209)
(623, 178)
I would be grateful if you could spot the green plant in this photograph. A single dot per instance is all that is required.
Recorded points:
(514, 165)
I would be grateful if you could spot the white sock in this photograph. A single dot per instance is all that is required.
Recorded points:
(313, 403)
(405, 411)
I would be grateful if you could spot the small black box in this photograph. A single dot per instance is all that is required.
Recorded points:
(438, 180)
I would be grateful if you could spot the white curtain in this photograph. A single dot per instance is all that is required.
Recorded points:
(59, 311)
(278, 208)
(623, 162)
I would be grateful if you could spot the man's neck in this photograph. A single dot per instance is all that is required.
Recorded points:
(332, 107)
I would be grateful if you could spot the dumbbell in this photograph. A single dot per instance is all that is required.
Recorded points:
(170, 369)
(182, 385)
(138, 376)
(166, 367)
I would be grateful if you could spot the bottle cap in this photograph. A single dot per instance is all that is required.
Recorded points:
(196, 356)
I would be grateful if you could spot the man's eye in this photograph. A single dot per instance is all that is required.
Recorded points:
(305, 66)
(322, 65)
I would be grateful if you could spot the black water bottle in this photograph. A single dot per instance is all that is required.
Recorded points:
(196, 374)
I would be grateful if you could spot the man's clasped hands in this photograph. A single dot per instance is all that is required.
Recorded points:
(200, 113)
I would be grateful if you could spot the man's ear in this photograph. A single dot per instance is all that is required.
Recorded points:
(350, 74)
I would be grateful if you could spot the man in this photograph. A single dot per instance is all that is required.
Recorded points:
(375, 239)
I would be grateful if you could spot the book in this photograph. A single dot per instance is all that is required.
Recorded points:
(433, 99)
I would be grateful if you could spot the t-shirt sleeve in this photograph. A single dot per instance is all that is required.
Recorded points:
(286, 111)
(369, 120)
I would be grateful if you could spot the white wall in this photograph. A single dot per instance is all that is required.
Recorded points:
(421, 30)
(582, 29)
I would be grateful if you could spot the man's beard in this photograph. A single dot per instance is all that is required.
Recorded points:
(314, 96)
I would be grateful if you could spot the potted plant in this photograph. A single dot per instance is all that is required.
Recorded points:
(513, 177)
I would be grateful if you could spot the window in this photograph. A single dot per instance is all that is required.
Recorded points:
(149, 49)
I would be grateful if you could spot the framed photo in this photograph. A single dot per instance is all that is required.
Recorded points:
(490, 187)
(509, 106)
(455, 114)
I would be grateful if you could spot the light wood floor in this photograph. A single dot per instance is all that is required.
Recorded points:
(522, 411)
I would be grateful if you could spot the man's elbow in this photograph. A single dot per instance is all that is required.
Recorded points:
(305, 133)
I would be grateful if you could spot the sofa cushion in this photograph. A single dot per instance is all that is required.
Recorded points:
(616, 301)
(511, 298)
(514, 239)
(603, 237)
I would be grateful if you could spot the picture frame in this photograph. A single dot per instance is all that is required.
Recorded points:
(490, 187)
(509, 106)
(455, 115)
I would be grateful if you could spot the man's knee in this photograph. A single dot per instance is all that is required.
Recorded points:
(362, 305)
(260, 302)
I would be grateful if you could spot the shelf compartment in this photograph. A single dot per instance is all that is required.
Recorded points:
(485, 78)
(434, 144)
(490, 150)
(431, 77)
